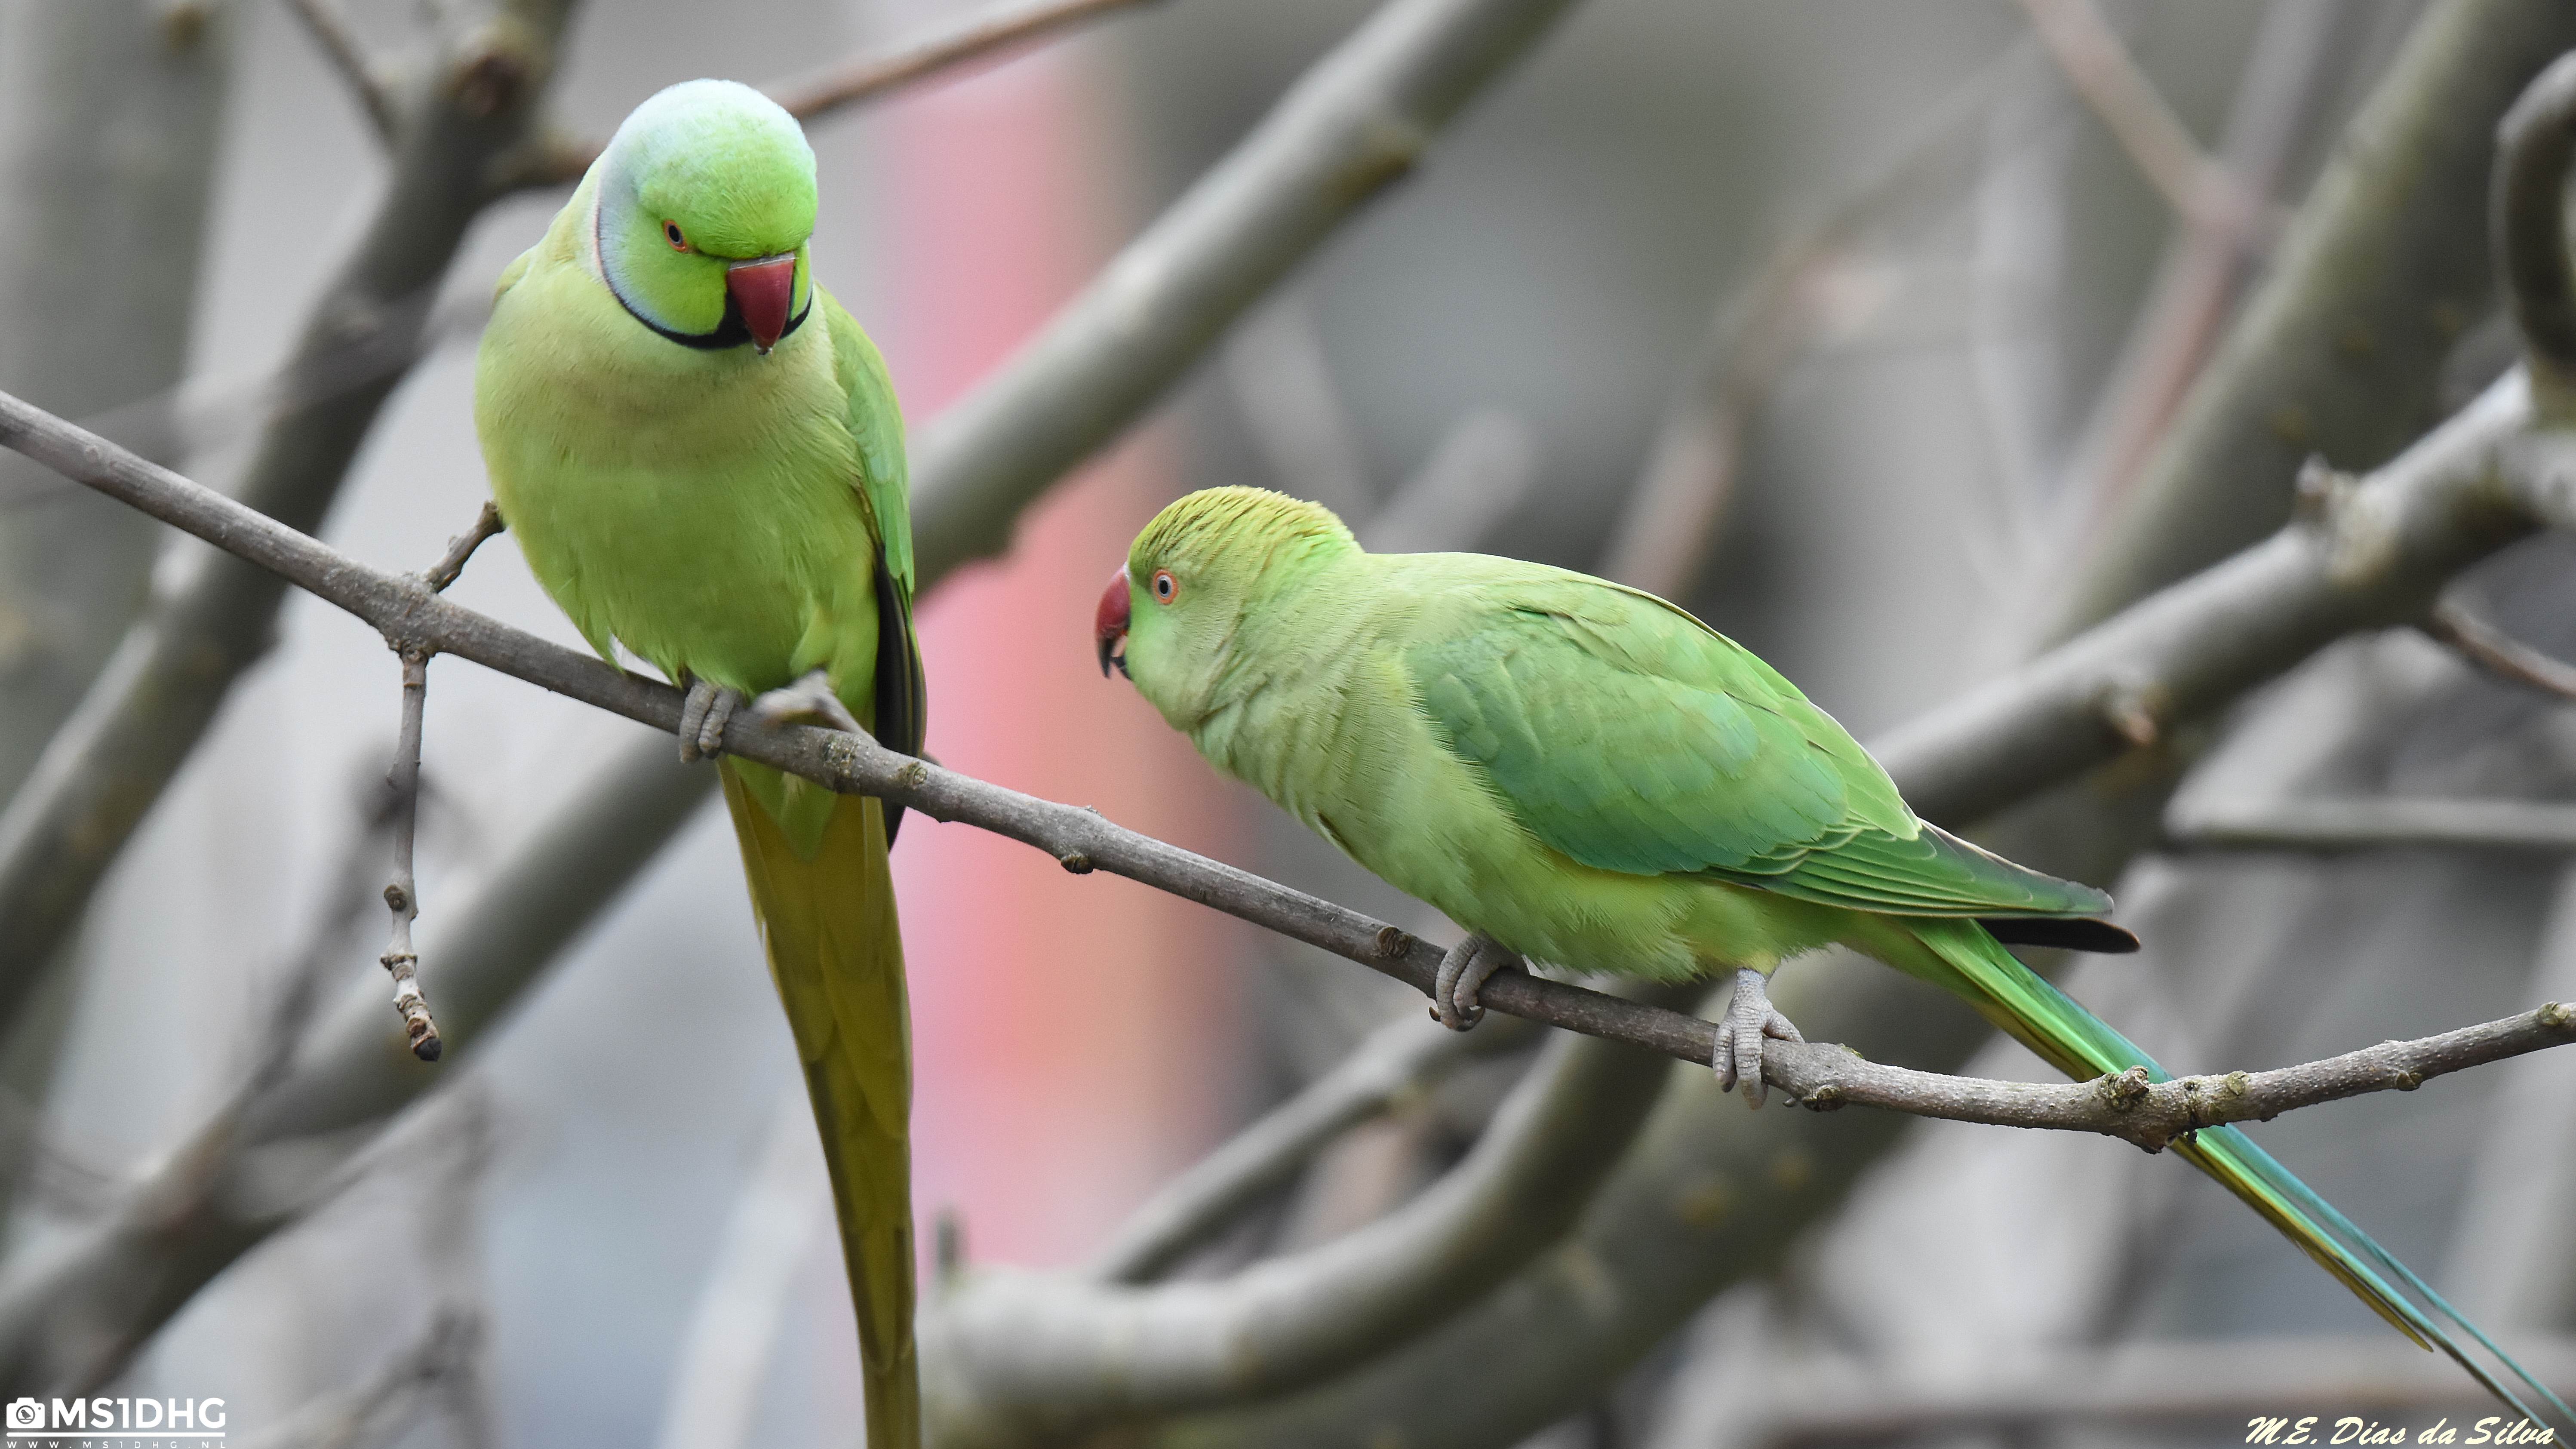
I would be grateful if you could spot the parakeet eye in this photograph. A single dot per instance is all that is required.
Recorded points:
(671, 231)
(1165, 587)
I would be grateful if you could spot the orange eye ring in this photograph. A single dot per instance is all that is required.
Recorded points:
(671, 234)
(1166, 588)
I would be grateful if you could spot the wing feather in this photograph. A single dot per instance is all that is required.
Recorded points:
(1631, 737)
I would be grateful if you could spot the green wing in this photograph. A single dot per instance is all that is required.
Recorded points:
(1630, 736)
(901, 719)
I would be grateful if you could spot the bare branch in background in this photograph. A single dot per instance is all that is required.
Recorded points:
(1008, 1354)
(212, 618)
(2396, 536)
(2285, 85)
(2199, 189)
(1195, 273)
(54, 1175)
(1351, 127)
(1478, 475)
(2394, 823)
(2512, 1261)
(879, 72)
(1803, 293)
(2497, 652)
(466, 144)
(328, 24)
(1400, 1061)
(375, 1410)
(1282, 385)
(782, 1212)
(2340, 349)
(2529, 221)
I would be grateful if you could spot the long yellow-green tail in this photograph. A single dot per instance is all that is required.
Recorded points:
(829, 923)
(2080, 1044)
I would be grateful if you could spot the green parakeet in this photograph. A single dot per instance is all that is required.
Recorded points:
(1584, 774)
(700, 454)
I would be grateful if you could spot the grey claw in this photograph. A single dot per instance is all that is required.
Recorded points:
(1463, 972)
(703, 714)
(809, 700)
(1749, 1018)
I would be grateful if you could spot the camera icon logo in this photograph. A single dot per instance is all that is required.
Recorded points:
(26, 1413)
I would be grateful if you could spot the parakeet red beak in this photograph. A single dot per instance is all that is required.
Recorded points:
(1109, 623)
(763, 288)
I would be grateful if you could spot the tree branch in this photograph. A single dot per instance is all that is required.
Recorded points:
(2285, 87)
(2341, 347)
(574, 863)
(2400, 822)
(157, 694)
(2463, 493)
(1354, 125)
(2497, 652)
(2529, 205)
(979, 37)
(2089, 53)
(1011, 1354)
(328, 24)
(2468, 494)
(2128, 1107)
(878, 72)
(1398, 1062)
(1662, 537)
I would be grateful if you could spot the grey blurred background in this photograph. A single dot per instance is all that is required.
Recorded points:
(1918, 474)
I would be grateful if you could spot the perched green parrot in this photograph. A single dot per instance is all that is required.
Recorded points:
(701, 456)
(1580, 773)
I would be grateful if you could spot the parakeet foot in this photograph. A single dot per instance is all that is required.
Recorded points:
(1749, 1018)
(1462, 974)
(809, 700)
(703, 714)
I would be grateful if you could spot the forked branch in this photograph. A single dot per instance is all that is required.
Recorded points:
(414, 619)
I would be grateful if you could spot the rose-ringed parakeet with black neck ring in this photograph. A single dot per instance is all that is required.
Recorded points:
(700, 454)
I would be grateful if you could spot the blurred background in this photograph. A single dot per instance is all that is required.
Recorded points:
(1921, 311)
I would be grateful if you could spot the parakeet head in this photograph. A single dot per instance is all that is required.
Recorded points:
(1190, 577)
(704, 203)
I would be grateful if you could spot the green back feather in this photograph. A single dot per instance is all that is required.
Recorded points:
(1695, 757)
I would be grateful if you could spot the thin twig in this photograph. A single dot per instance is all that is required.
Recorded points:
(880, 72)
(979, 37)
(415, 620)
(2394, 823)
(2088, 51)
(2378, 234)
(345, 1418)
(1337, 139)
(2285, 86)
(2126, 1105)
(209, 618)
(402, 895)
(487, 522)
(2497, 652)
(1661, 538)
(328, 24)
